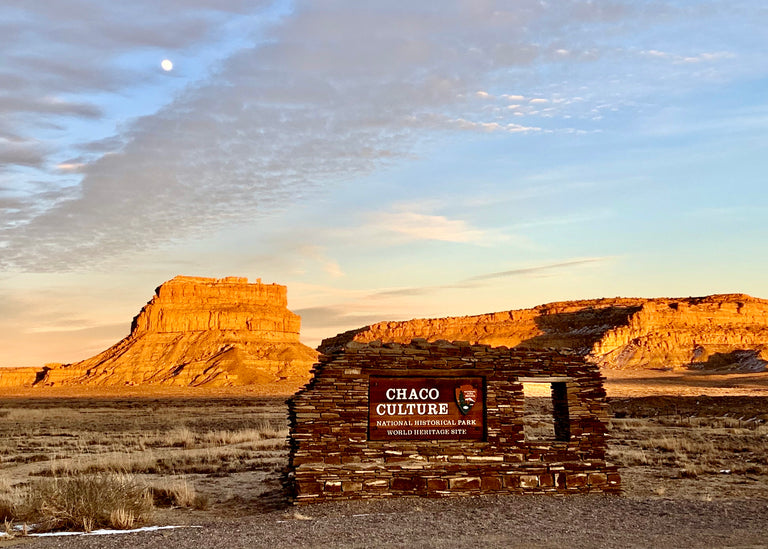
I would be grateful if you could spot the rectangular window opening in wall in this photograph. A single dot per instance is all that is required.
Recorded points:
(546, 414)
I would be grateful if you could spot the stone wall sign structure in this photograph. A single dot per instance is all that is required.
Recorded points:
(445, 419)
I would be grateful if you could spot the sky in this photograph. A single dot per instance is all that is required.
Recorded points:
(383, 160)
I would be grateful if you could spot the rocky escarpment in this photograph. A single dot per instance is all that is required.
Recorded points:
(727, 332)
(200, 332)
(20, 377)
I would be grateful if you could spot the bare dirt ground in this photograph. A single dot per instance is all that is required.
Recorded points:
(640, 383)
(487, 522)
(693, 452)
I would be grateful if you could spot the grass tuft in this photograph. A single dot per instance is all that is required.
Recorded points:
(84, 503)
(7, 510)
(178, 493)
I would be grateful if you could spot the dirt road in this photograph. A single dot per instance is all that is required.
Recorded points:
(482, 522)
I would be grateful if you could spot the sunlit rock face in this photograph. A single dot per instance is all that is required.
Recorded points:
(201, 332)
(727, 332)
(20, 377)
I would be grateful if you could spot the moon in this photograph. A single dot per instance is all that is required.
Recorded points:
(166, 65)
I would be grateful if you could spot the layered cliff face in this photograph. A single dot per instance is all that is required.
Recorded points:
(20, 377)
(715, 333)
(201, 332)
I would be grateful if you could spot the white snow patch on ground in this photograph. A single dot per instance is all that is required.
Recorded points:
(100, 532)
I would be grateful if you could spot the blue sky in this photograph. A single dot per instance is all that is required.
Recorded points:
(384, 160)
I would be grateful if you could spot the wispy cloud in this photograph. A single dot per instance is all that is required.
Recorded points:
(318, 255)
(336, 316)
(314, 99)
(478, 280)
(354, 309)
(535, 270)
(70, 166)
(418, 226)
(704, 57)
(463, 124)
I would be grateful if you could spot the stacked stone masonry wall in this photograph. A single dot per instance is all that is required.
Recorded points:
(331, 457)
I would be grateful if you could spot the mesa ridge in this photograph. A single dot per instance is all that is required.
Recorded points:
(227, 332)
(195, 332)
(723, 333)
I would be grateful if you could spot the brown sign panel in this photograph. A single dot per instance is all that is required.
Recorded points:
(426, 408)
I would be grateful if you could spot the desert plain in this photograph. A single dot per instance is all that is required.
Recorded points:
(692, 450)
(184, 423)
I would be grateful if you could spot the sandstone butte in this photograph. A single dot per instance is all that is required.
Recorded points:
(717, 333)
(194, 332)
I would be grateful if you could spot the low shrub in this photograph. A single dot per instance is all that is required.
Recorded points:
(178, 493)
(85, 503)
(7, 510)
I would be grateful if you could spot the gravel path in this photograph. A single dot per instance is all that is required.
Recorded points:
(483, 522)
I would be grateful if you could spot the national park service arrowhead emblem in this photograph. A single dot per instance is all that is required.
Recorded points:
(466, 396)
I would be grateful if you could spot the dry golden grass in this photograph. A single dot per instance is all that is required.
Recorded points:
(691, 447)
(226, 455)
(191, 454)
(538, 415)
(80, 503)
(133, 436)
(178, 492)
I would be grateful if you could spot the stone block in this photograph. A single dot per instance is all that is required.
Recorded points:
(332, 486)
(308, 488)
(511, 482)
(576, 480)
(303, 460)
(348, 486)
(561, 480)
(491, 484)
(529, 481)
(546, 480)
(465, 483)
(404, 484)
(597, 479)
(436, 484)
(377, 484)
